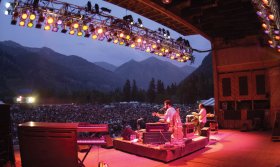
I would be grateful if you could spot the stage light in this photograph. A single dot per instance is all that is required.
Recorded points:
(139, 40)
(166, 1)
(116, 41)
(32, 16)
(265, 2)
(270, 42)
(88, 6)
(80, 33)
(76, 25)
(271, 17)
(41, 18)
(127, 37)
(38, 25)
(100, 25)
(7, 5)
(6, 12)
(140, 22)
(13, 22)
(94, 36)
(47, 27)
(72, 32)
(54, 29)
(121, 35)
(96, 7)
(30, 24)
(64, 30)
(85, 27)
(277, 37)
(99, 30)
(121, 43)
(50, 20)
(148, 49)
(132, 45)
(106, 10)
(24, 16)
(22, 23)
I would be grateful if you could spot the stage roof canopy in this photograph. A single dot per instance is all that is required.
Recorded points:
(227, 19)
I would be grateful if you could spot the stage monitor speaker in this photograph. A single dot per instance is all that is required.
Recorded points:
(127, 132)
(6, 142)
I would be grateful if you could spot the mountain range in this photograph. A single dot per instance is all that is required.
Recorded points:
(44, 69)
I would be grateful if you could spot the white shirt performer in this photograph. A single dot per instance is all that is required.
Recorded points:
(202, 118)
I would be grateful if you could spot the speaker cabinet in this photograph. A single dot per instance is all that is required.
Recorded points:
(6, 142)
(48, 144)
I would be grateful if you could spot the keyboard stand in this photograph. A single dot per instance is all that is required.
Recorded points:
(81, 162)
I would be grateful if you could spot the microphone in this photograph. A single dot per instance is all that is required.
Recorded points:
(162, 109)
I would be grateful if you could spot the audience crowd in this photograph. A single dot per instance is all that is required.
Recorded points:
(117, 115)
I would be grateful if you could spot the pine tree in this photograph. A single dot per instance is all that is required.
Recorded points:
(151, 94)
(126, 91)
(134, 92)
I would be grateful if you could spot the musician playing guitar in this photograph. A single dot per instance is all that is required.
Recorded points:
(201, 118)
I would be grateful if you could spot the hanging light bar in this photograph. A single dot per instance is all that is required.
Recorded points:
(96, 23)
(268, 13)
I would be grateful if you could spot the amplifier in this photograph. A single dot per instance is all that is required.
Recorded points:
(156, 127)
(156, 137)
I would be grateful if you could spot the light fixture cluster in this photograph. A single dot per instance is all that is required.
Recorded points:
(97, 23)
(268, 12)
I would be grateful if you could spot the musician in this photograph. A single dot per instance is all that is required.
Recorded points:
(201, 118)
(169, 113)
(172, 117)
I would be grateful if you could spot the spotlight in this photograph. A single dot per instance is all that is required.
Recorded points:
(47, 27)
(88, 6)
(7, 5)
(94, 36)
(64, 30)
(13, 22)
(72, 32)
(85, 27)
(121, 35)
(38, 25)
(24, 16)
(22, 23)
(35, 3)
(32, 16)
(54, 29)
(140, 22)
(30, 24)
(80, 33)
(50, 20)
(76, 25)
(96, 7)
(100, 31)
(106, 10)
(166, 1)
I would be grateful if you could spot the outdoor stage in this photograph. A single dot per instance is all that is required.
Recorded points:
(226, 148)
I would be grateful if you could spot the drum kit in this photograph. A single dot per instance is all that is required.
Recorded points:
(193, 118)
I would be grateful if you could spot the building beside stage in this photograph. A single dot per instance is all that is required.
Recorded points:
(246, 79)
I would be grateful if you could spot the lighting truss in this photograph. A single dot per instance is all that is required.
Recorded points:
(98, 24)
(268, 12)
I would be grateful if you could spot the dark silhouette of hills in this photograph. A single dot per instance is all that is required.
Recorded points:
(106, 66)
(198, 85)
(142, 72)
(44, 69)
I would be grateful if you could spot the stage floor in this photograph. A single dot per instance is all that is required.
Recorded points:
(227, 148)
